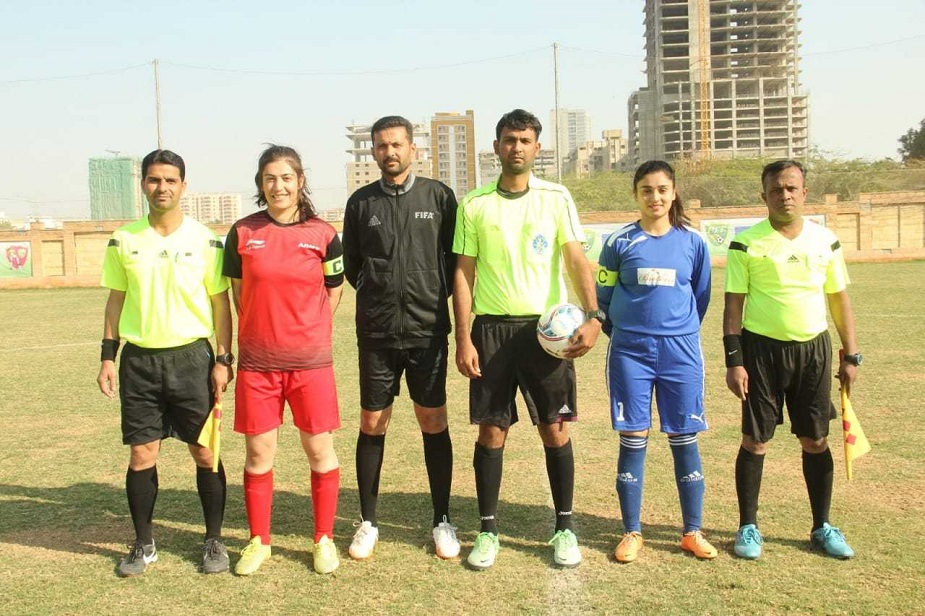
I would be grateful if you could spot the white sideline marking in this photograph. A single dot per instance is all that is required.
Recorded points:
(565, 592)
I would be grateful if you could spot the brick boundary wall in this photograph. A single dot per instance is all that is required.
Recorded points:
(877, 227)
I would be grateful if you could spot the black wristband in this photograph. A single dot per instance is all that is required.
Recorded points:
(108, 349)
(732, 344)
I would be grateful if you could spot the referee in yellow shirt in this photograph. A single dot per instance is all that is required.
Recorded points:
(167, 297)
(780, 274)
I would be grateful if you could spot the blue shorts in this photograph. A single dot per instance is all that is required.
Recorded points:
(672, 365)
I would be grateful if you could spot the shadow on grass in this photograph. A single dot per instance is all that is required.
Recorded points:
(88, 518)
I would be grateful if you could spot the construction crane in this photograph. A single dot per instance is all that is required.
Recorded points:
(703, 32)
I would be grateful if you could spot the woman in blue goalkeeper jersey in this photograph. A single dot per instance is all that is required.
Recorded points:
(654, 285)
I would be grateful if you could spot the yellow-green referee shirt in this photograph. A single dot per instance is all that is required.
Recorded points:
(517, 243)
(167, 282)
(785, 282)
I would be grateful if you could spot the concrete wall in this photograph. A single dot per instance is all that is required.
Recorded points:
(876, 227)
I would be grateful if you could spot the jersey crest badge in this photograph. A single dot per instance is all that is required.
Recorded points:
(540, 244)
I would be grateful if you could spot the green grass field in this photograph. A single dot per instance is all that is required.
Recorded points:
(64, 521)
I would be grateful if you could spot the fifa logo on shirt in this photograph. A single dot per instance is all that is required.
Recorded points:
(429, 215)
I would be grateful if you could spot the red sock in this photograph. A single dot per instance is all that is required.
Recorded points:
(258, 501)
(325, 488)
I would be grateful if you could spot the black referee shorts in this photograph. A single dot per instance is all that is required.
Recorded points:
(798, 373)
(165, 392)
(510, 357)
(424, 369)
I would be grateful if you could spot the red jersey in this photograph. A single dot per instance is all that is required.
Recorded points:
(285, 319)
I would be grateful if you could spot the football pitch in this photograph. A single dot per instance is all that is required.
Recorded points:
(64, 520)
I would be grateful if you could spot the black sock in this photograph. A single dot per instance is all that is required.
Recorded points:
(560, 466)
(212, 490)
(141, 489)
(438, 458)
(488, 464)
(818, 474)
(370, 451)
(749, 467)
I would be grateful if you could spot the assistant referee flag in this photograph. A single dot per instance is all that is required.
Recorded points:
(856, 444)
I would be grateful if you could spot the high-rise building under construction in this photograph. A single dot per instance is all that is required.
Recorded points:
(723, 80)
(115, 188)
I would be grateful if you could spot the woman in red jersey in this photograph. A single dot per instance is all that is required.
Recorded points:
(286, 270)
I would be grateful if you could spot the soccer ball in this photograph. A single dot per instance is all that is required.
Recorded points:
(556, 326)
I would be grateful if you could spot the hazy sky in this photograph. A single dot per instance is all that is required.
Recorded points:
(76, 79)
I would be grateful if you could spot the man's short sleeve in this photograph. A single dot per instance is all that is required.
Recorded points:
(737, 268)
(569, 225)
(215, 281)
(836, 275)
(466, 238)
(113, 276)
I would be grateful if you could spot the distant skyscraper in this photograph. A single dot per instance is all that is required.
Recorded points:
(363, 168)
(115, 188)
(575, 125)
(723, 79)
(452, 138)
(212, 207)
(489, 167)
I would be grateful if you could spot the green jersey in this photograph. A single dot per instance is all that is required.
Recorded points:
(517, 243)
(785, 281)
(168, 282)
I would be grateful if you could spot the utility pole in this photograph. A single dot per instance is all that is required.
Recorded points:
(555, 62)
(157, 101)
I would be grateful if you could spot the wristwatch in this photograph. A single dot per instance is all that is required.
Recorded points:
(226, 359)
(857, 359)
(600, 315)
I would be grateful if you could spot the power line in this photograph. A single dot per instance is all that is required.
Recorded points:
(868, 46)
(386, 71)
(81, 76)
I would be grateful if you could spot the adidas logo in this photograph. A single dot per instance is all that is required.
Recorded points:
(695, 476)
(565, 410)
(627, 478)
(373, 221)
(793, 259)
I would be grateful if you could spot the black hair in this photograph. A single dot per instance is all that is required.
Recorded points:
(163, 157)
(518, 120)
(676, 215)
(272, 154)
(393, 121)
(775, 168)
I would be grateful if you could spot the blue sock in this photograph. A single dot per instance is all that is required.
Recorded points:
(630, 472)
(688, 473)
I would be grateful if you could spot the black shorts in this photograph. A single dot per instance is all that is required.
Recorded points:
(798, 373)
(165, 392)
(425, 374)
(510, 357)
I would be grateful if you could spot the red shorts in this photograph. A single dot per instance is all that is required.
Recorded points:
(259, 398)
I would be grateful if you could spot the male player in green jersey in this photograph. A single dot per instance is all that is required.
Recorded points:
(780, 274)
(512, 238)
(167, 296)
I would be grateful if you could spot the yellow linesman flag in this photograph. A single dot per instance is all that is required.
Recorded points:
(856, 444)
(211, 435)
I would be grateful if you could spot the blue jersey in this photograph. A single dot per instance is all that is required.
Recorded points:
(655, 285)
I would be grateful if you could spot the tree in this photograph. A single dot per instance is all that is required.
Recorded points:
(913, 143)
